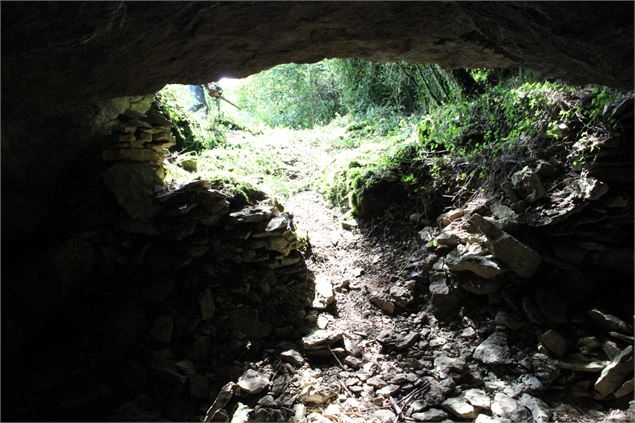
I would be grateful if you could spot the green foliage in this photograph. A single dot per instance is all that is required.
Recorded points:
(304, 95)
(502, 116)
(292, 95)
(194, 131)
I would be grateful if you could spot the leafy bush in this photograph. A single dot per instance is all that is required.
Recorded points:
(305, 95)
(194, 131)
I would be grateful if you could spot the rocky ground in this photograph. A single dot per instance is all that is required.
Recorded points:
(378, 351)
(440, 324)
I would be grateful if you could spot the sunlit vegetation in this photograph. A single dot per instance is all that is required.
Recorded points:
(340, 126)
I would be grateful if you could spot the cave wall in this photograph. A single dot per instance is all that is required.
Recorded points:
(56, 55)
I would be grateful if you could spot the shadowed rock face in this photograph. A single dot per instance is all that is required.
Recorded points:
(59, 55)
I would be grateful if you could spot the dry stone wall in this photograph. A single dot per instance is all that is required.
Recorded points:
(181, 281)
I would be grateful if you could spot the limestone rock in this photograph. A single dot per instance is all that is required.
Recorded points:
(554, 343)
(320, 339)
(472, 258)
(324, 295)
(253, 381)
(352, 348)
(484, 418)
(457, 232)
(478, 399)
(494, 350)
(349, 225)
(614, 374)
(460, 408)
(354, 362)
(581, 364)
(506, 407)
(517, 256)
(446, 218)
(382, 416)
(591, 188)
(528, 185)
(611, 349)
(439, 390)
(385, 305)
(293, 357)
(315, 393)
(133, 185)
(401, 295)
(280, 224)
(388, 390)
(525, 383)
(432, 415)
(408, 340)
(445, 365)
(540, 411)
(609, 322)
(480, 286)
(446, 296)
(255, 214)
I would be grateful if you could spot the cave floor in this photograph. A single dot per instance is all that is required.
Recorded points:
(397, 362)
(376, 349)
(403, 361)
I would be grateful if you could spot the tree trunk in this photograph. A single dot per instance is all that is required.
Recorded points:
(468, 85)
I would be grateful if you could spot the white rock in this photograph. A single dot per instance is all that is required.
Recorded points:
(506, 407)
(460, 408)
(478, 398)
(324, 295)
(314, 393)
(432, 415)
(320, 339)
(614, 374)
(494, 350)
(241, 414)
(388, 390)
(253, 381)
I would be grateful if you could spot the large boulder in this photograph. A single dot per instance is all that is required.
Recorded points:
(134, 185)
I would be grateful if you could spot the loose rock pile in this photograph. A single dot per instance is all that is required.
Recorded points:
(195, 279)
(570, 230)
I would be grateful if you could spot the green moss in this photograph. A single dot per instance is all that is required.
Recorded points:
(194, 131)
